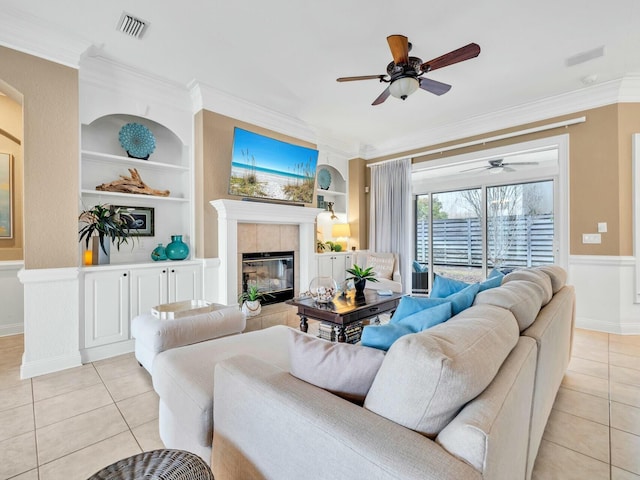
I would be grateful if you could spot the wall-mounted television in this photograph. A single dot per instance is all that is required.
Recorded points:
(262, 167)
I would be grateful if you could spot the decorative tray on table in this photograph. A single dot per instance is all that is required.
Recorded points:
(172, 311)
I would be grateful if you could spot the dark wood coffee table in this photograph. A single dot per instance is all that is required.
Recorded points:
(345, 311)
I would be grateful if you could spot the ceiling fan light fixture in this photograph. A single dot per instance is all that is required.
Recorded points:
(403, 87)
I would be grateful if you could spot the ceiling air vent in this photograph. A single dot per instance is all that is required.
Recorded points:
(132, 26)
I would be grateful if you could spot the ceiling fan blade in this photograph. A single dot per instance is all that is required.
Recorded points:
(362, 77)
(521, 163)
(399, 45)
(475, 168)
(382, 97)
(508, 169)
(461, 54)
(437, 88)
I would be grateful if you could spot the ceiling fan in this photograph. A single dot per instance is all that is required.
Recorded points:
(498, 165)
(404, 74)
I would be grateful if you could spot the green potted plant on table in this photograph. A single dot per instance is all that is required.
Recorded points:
(100, 222)
(360, 276)
(250, 300)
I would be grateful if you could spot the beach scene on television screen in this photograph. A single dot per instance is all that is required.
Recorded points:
(263, 167)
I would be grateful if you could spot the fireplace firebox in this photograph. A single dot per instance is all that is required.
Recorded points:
(271, 272)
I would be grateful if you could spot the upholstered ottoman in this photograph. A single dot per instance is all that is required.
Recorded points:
(154, 335)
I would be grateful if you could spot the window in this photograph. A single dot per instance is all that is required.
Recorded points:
(470, 220)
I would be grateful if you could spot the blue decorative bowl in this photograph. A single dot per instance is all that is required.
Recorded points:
(324, 179)
(137, 140)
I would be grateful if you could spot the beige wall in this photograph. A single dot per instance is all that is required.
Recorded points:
(214, 144)
(600, 180)
(11, 122)
(51, 157)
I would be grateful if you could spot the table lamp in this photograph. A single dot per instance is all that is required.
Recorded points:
(341, 232)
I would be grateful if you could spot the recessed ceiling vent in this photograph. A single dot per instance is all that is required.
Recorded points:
(132, 26)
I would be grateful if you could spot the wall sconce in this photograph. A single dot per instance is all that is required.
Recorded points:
(341, 232)
(330, 208)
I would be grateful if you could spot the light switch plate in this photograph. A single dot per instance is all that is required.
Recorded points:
(591, 238)
(602, 227)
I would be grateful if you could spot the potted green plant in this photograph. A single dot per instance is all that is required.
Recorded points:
(360, 276)
(250, 300)
(104, 221)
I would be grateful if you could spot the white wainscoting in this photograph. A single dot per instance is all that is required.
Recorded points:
(51, 320)
(605, 293)
(11, 299)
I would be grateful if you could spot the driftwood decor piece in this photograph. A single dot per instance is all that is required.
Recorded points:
(132, 184)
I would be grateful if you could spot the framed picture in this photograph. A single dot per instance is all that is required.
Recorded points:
(142, 224)
(6, 195)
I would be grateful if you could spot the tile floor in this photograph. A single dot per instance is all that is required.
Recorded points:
(69, 424)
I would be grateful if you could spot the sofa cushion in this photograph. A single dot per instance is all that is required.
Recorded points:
(381, 337)
(493, 280)
(382, 264)
(521, 297)
(443, 286)
(427, 318)
(532, 275)
(409, 305)
(463, 299)
(341, 368)
(427, 377)
(183, 377)
(557, 275)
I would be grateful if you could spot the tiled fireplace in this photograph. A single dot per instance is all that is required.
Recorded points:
(245, 227)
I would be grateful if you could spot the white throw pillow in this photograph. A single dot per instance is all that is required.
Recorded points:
(343, 369)
(382, 265)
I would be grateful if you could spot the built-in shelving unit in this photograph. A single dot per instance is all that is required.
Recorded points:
(336, 193)
(103, 160)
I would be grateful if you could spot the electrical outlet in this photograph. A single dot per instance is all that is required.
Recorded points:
(591, 238)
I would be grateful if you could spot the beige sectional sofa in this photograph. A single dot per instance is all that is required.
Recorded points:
(468, 398)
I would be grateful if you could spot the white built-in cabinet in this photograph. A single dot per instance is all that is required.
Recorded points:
(334, 265)
(132, 284)
(167, 283)
(113, 295)
(106, 307)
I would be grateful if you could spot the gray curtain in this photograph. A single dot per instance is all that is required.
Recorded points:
(391, 225)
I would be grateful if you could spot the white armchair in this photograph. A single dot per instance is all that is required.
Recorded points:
(386, 266)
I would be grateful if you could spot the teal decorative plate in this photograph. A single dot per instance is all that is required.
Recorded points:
(137, 140)
(324, 179)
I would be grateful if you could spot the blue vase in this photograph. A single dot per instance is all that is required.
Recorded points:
(177, 249)
(158, 253)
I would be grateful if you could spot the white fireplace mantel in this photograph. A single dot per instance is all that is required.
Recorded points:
(232, 212)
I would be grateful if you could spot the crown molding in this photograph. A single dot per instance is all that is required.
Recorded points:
(110, 75)
(206, 97)
(626, 89)
(26, 33)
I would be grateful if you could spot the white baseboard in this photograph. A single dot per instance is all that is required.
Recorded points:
(11, 329)
(94, 354)
(30, 369)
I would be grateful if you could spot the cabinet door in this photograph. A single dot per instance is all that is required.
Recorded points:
(106, 308)
(185, 282)
(148, 289)
(340, 265)
(325, 265)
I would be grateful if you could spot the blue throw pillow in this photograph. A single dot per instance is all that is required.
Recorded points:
(409, 305)
(418, 267)
(464, 298)
(493, 280)
(443, 287)
(383, 336)
(427, 318)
